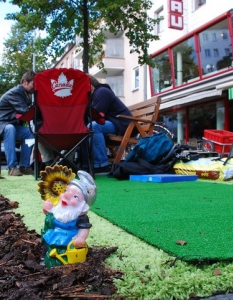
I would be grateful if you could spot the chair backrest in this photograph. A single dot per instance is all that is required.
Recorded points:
(62, 96)
(148, 111)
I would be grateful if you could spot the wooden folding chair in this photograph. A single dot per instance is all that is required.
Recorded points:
(144, 117)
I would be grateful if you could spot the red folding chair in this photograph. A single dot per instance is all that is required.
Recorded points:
(62, 97)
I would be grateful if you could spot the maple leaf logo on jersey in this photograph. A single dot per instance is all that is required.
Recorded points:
(62, 87)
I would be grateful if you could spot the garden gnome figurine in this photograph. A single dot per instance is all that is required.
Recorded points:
(66, 225)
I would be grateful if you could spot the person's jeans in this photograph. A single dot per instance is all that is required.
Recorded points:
(99, 146)
(11, 134)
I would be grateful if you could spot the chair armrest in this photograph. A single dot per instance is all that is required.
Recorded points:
(28, 115)
(135, 119)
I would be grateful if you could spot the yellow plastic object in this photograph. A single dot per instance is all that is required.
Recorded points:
(74, 255)
(207, 168)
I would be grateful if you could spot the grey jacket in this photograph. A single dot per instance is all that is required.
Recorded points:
(15, 101)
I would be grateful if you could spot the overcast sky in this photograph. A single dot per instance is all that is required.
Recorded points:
(5, 24)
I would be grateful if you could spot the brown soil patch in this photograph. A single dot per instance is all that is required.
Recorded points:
(22, 276)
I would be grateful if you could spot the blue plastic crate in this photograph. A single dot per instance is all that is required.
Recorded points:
(163, 178)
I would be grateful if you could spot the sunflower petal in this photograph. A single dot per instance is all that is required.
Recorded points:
(54, 182)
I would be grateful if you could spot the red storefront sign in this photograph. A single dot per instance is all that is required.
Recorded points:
(175, 14)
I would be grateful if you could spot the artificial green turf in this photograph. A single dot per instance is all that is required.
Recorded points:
(148, 272)
(199, 213)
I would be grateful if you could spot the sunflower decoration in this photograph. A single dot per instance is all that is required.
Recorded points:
(54, 182)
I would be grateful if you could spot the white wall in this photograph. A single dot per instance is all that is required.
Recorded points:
(131, 62)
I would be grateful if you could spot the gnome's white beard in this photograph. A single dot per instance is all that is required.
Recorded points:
(69, 213)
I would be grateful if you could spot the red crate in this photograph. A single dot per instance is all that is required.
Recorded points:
(221, 137)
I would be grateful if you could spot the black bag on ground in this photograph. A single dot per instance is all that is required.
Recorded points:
(139, 166)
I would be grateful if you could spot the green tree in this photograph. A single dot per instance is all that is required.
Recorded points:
(224, 62)
(17, 56)
(90, 20)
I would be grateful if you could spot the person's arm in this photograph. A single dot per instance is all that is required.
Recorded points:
(19, 99)
(102, 99)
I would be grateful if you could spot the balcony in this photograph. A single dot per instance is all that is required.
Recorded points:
(113, 66)
(114, 62)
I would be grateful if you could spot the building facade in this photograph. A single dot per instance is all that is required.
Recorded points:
(193, 66)
(193, 70)
(121, 71)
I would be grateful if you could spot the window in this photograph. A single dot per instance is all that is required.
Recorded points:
(159, 14)
(216, 53)
(199, 3)
(207, 53)
(67, 62)
(161, 73)
(212, 55)
(117, 84)
(175, 123)
(224, 35)
(192, 58)
(185, 62)
(205, 36)
(136, 78)
(227, 51)
(200, 118)
(114, 48)
(214, 38)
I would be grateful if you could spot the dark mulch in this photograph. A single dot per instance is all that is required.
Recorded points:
(22, 276)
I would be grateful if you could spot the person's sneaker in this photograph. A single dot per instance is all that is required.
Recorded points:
(26, 170)
(14, 172)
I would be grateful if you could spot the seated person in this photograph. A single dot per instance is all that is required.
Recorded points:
(18, 101)
(107, 103)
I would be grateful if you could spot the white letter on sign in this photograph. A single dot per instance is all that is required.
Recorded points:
(175, 14)
(176, 6)
(177, 22)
